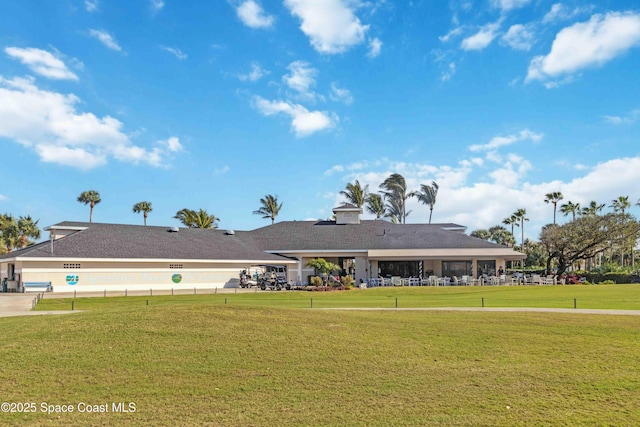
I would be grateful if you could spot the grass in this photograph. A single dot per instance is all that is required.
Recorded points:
(263, 360)
(623, 297)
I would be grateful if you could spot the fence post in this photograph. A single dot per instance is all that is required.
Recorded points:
(74, 293)
(311, 302)
(125, 292)
(73, 305)
(105, 293)
(396, 302)
(482, 301)
(151, 292)
(575, 303)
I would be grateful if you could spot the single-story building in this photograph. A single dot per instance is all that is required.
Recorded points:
(95, 257)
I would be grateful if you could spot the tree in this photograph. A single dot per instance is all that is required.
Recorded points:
(427, 196)
(521, 216)
(586, 237)
(200, 219)
(270, 207)
(395, 192)
(144, 207)
(621, 204)
(375, 205)
(91, 198)
(481, 234)
(501, 235)
(27, 228)
(593, 209)
(570, 208)
(553, 198)
(9, 233)
(394, 211)
(513, 222)
(322, 266)
(355, 193)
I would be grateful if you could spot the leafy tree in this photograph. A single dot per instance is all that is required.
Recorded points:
(586, 237)
(570, 208)
(395, 192)
(427, 195)
(27, 228)
(553, 198)
(270, 207)
(501, 235)
(375, 205)
(481, 234)
(91, 198)
(144, 207)
(355, 193)
(322, 266)
(199, 219)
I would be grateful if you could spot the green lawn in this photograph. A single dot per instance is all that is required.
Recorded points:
(266, 359)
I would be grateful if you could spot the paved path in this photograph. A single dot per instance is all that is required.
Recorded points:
(20, 305)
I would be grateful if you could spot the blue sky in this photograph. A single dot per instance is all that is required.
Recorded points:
(214, 104)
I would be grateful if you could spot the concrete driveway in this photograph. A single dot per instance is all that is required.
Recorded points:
(20, 305)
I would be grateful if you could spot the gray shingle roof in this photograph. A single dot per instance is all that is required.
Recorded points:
(147, 242)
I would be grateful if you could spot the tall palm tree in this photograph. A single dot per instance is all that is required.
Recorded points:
(394, 211)
(513, 222)
(521, 215)
(27, 228)
(270, 207)
(395, 192)
(427, 196)
(621, 204)
(553, 198)
(91, 198)
(375, 205)
(593, 209)
(144, 207)
(355, 193)
(9, 233)
(570, 208)
(200, 219)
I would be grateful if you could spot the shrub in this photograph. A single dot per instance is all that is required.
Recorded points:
(316, 281)
(347, 281)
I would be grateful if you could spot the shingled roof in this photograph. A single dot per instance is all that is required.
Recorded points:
(119, 241)
(116, 241)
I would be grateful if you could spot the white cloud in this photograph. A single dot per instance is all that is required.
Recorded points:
(41, 62)
(175, 52)
(3, 198)
(507, 5)
(91, 5)
(256, 73)
(619, 120)
(587, 44)
(340, 94)
(482, 38)
(451, 70)
(252, 15)
(106, 39)
(520, 37)
(452, 33)
(222, 170)
(303, 121)
(48, 123)
(375, 46)
(157, 5)
(560, 12)
(331, 25)
(502, 141)
(302, 78)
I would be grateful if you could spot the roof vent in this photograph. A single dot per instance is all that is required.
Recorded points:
(229, 232)
(173, 230)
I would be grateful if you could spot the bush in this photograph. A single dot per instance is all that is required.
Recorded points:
(316, 281)
(347, 281)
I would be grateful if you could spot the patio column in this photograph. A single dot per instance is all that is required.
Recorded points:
(362, 264)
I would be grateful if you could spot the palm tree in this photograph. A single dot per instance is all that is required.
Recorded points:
(375, 205)
(513, 222)
(27, 228)
(593, 209)
(356, 194)
(91, 198)
(270, 207)
(553, 198)
(501, 235)
(394, 210)
(570, 208)
(9, 233)
(521, 215)
(621, 204)
(427, 196)
(144, 207)
(200, 219)
(395, 191)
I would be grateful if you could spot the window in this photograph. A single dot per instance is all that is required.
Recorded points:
(71, 265)
(175, 266)
(456, 268)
